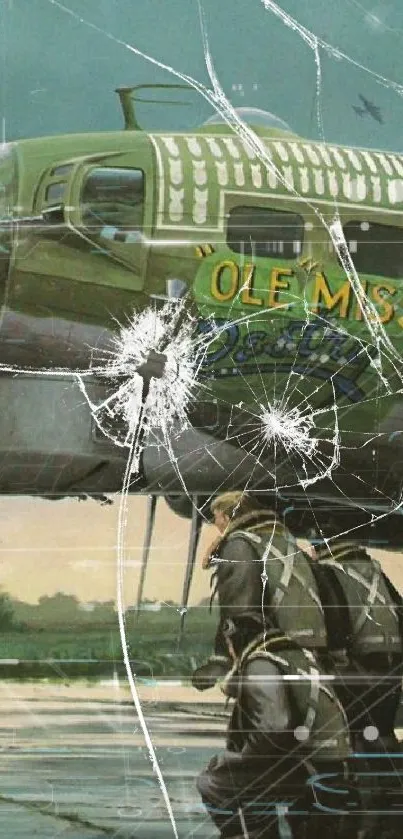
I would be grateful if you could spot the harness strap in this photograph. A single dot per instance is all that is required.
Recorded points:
(374, 596)
(259, 649)
(288, 562)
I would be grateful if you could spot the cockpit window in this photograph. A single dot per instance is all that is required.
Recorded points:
(55, 192)
(113, 198)
(61, 171)
(265, 232)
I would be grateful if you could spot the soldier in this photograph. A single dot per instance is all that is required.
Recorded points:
(283, 732)
(259, 567)
(363, 614)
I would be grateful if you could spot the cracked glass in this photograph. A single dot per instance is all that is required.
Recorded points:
(208, 300)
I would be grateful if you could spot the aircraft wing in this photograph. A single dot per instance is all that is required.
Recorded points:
(376, 113)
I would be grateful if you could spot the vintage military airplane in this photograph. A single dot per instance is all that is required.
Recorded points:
(368, 109)
(97, 225)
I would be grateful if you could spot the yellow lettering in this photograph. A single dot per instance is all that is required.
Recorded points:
(340, 298)
(276, 285)
(217, 279)
(379, 300)
(358, 312)
(247, 283)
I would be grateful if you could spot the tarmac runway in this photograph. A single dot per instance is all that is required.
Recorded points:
(75, 765)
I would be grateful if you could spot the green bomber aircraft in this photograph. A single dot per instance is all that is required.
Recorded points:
(96, 226)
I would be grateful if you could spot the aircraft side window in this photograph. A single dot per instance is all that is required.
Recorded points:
(265, 232)
(113, 198)
(375, 248)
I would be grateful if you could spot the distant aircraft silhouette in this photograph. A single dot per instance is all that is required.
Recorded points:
(369, 108)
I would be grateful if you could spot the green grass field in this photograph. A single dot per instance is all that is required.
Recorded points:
(94, 650)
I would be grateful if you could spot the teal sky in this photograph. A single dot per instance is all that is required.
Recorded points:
(57, 75)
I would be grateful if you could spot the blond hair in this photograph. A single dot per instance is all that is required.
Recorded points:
(234, 504)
